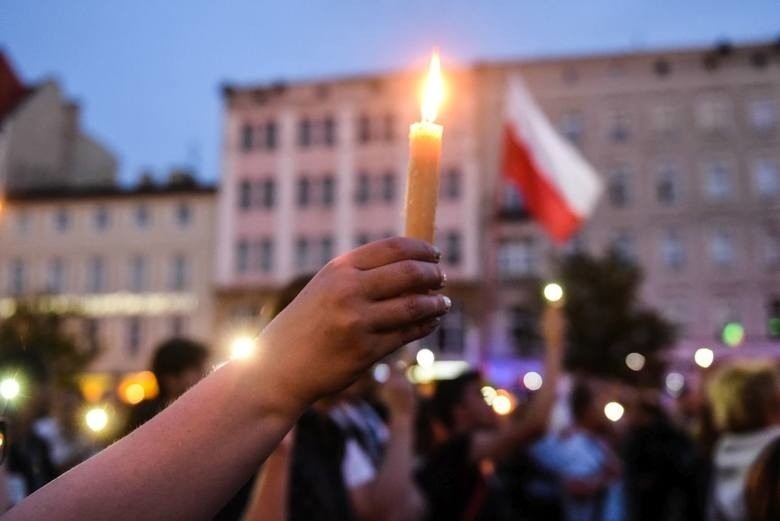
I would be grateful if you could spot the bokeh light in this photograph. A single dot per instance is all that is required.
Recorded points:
(502, 403)
(425, 357)
(733, 334)
(675, 383)
(96, 419)
(381, 373)
(242, 347)
(532, 381)
(9, 388)
(553, 292)
(613, 411)
(635, 361)
(489, 394)
(704, 357)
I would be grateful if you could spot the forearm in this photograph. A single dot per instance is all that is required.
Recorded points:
(183, 464)
(395, 494)
(270, 495)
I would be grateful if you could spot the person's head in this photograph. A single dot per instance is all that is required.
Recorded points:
(459, 405)
(585, 403)
(762, 488)
(178, 364)
(745, 397)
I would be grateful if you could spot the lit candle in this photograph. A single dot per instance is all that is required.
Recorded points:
(422, 189)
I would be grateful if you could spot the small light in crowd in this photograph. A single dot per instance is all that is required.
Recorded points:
(613, 411)
(489, 394)
(532, 381)
(2, 440)
(733, 334)
(502, 403)
(134, 393)
(96, 419)
(704, 357)
(553, 292)
(635, 361)
(242, 347)
(381, 373)
(675, 383)
(9, 388)
(425, 357)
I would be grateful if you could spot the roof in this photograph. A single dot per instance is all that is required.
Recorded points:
(102, 192)
(12, 90)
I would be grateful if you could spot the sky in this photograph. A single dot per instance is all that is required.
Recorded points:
(147, 73)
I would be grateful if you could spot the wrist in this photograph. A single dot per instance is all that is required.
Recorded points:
(268, 392)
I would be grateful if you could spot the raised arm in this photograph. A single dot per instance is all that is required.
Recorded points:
(537, 415)
(190, 459)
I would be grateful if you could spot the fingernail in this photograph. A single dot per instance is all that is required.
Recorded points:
(437, 253)
(447, 302)
(443, 280)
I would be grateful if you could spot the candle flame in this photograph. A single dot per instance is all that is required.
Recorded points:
(433, 90)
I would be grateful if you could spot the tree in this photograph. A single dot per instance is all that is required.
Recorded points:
(606, 321)
(36, 339)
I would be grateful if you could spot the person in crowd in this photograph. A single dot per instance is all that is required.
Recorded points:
(360, 307)
(762, 490)
(346, 462)
(587, 467)
(745, 402)
(456, 476)
(63, 431)
(661, 465)
(177, 364)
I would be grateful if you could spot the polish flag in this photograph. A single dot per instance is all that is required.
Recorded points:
(559, 187)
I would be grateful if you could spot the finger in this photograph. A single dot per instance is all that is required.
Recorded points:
(391, 341)
(395, 249)
(401, 312)
(398, 278)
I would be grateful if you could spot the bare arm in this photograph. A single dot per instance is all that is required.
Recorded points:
(359, 308)
(534, 422)
(271, 493)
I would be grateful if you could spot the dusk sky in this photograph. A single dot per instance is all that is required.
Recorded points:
(148, 73)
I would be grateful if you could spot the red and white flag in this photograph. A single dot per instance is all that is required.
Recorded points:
(559, 187)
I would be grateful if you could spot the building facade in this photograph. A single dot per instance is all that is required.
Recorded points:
(135, 266)
(687, 141)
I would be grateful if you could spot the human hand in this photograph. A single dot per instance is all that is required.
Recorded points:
(398, 394)
(553, 327)
(359, 308)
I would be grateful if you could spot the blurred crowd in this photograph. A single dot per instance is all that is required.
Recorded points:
(577, 449)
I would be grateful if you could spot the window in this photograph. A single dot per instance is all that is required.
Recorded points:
(137, 282)
(718, 181)
(364, 129)
(244, 195)
(572, 126)
(618, 189)
(304, 191)
(304, 133)
(61, 220)
(766, 177)
(449, 336)
(133, 335)
(268, 192)
(363, 189)
(265, 257)
(101, 218)
(763, 114)
(142, 217)
(242, 256)
(16, 281)
(96, 275)
(452, 184)
(22, 223)
(326, 250)
(183, 214)
(664, 119)
(516, 257)
(179, 280)
(302, 253)
(329, 131)
(452, 248)
(361, 239)
(246, 137)
(178, 326)
(619, 125)
(270, 135)
(328, 190)
(666, 186)
(524, 328)
(389, 127)
(672, 249)
(624, 246)
(55, 279)
(512, 200)
(722, 248)
(388, 187)
(713, 113)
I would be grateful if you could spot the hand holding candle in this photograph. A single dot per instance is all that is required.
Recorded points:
(424, 154)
